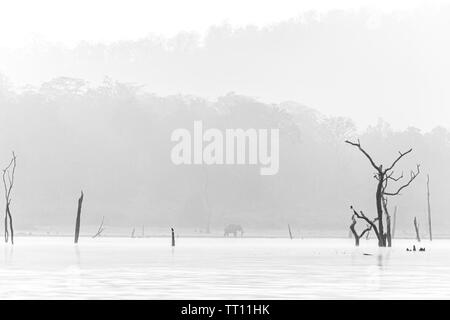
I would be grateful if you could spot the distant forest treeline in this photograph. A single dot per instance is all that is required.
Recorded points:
(360, 63)
(113, 141)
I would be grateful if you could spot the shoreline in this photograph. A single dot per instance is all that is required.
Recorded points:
(210, 237)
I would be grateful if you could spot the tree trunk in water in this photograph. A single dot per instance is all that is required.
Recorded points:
(387, 235)
(8, 183)
(77, 223)
(429, 208)
(355, 234)
(11, 229)
(173, 238)
(416, 227)
(379, 200)
(388, 231)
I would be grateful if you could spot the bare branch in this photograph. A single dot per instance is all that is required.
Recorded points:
(358, 145)
(391, 176)
(369, 227)
(100, 229)
(402, 154)
(355, 234)
(362, 216)
(413, 176)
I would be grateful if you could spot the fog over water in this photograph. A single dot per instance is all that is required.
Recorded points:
(98, 116)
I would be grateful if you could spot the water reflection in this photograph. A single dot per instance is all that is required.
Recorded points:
(78, 255)
(221, 268)
(8, 251)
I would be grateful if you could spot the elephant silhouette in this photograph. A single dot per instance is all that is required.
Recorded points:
(233, 229)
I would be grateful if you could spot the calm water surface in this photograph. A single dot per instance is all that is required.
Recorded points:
(217, 268)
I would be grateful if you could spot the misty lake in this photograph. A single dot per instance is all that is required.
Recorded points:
(219, 268)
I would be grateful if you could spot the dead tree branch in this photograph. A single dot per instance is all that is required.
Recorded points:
(362, 216)
(358, 145)
(8, 183)
(355, 233)
(100, 229)
(402, 154)
(290, 232)
(413, 176)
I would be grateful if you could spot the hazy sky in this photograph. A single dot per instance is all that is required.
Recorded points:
(405, 81)
(70, 21)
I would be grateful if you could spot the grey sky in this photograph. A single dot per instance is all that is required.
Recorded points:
(394, 65)
(106, 20)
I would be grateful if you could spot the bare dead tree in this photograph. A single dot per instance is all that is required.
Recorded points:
(290, 232)
(355, 234)
(416, 228)
(173, 237)
(429, 208)
(8, 183)
(132, 232)
(100, 229)
(369, 225)
(77, 223)
(383, 177)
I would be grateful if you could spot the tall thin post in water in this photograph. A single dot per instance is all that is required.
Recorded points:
(394, 222)
(290, 232)
(206, 201)
(429, 208)
(77, 223)
(416, 227)
(173, 237)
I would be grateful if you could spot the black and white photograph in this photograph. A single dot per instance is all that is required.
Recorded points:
(206, 150)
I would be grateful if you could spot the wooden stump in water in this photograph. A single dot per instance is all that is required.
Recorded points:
(290, 232)
(416, 228)
(77, 223)
(173, 237)
(430, 231)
